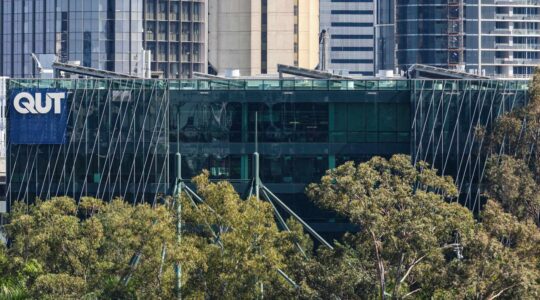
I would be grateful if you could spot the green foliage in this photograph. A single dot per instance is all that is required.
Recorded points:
(513, 178)
(238, 246)
(413, 242)
(407, 229)
(230, 248)
(71, 251)
(513, 185)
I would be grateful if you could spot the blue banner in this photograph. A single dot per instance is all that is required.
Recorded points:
(37, 116)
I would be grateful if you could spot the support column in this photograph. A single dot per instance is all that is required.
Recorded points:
(244, 167)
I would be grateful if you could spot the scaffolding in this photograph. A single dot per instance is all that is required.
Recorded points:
(455, 34)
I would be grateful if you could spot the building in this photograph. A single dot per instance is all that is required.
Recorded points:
(108, 35)
(498, 38)
(254, 36)
(176, 34)
(350, 26)
(119, 137)
(385, 37)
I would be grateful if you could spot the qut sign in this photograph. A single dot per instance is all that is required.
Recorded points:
(26, 103)
(37, 116)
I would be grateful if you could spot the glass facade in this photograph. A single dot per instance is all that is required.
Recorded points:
(429, 32)
(123, 134)
(104, 34)
(447, 117)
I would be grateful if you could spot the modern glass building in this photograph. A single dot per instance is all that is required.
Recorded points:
(105, 34)
(122, 135)
(496, 38)
(430, 32)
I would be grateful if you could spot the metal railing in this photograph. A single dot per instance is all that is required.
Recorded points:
(517, 46)
(373, 85)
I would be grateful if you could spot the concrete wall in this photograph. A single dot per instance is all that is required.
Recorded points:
(308, 30)
(232, 43)
(235, 35)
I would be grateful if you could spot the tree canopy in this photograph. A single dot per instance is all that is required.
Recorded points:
(413, 241)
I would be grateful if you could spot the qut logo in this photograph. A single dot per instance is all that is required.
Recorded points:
(39, 103)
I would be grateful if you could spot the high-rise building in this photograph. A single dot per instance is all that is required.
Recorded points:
(175, 33)
(107, 34)
(350, 27)
(499, 38)
(384, 36)
(254, 36)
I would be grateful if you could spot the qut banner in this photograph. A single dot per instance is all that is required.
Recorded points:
(37, 116)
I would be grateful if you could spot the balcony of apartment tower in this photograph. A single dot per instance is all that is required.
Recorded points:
(518, 2)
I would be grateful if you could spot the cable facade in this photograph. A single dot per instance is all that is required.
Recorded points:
(447, 122)
(122, 135)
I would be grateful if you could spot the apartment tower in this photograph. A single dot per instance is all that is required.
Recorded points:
(496, 38)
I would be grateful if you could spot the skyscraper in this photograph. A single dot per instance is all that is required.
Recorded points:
(253, 36)
(176, 34)
(498, 38)
(350, 25)
(106, 34)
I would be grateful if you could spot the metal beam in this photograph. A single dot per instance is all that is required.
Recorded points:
(430, 72)
(308, 73)
(294, 215)
(91, 72)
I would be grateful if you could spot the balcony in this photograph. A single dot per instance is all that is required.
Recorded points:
(517, 61)
(526, 31)
(518, 2)
(507, 31)
(520, 17)
(518, 46)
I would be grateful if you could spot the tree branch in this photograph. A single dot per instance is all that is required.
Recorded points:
(491, 297)
(411, 267)
(398, 274)
(410, 293)
(380, 265)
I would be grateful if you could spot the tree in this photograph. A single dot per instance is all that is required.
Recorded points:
(230, 248)
(16, 275)
(511, 183)
(94, 249)
(513, 171)
(407, 229)
(242, 246)
(413, 242)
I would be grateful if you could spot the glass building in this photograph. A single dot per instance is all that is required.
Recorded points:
(104, 34)
(496, 38)
(122, 135)
(429, 32)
